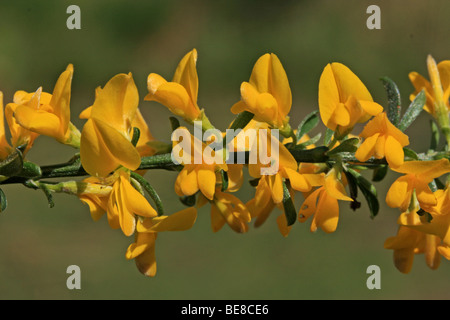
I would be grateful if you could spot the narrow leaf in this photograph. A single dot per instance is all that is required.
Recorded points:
(224, 176)
(174, 123)
(151, 191)
(308, 123)
(288, 205)
(242, 120)
(348, 145)
(413, 111)
(409, 153)
(328, 135)
(3, 201)
(188, 201)
(368, 190)
(434, 135)
(379, 173)
(12, 165)
(394, 100)
(136, 136)
(353, 187)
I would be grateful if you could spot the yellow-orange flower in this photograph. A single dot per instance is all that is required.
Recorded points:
(267, 95)
(51, 117)
(409, 242)
(382, 139)
(417, 176)
(105, 139)
(179, 95)
(200, 166)
(437, 90)
(143, 249)
(343, 99)
(323, 204)
(229, 209)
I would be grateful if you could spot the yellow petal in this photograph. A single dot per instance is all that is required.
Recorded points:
(282, 225)
(297, 181)
(394, 152)
(309, 206)
(175, 97)
(327, 214)
(206, 181)
(39, 121)
(120, 147)
(370, 107)
(95, 157)
(97, 206)
(349, 84)
(398, 193)
(135, 202)
(179, 221)
(188, 181)
(61, 98)
(334, 186)
(217, 221)
(86, 113)
(367, 148)
(186, 74)
(328, 96)
(425, 170)
(279, 85)
(117, 102)
(276, 187)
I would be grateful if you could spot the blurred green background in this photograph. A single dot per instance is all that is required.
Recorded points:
(37, 243)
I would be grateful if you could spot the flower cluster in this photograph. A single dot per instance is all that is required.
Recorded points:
(115, 148)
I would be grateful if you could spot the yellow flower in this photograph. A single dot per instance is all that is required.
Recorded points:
(344, 100)
(229, 209)
(438, 90)
(105, 139)
(51, 118)
(125, 203)
(19, 135)
(138, 122)
(382, 139)
(409, 242)
(267, 95)
(439, 224)
(143, 249)
(418, 174)
(179, 95)
(200, 168)
(283, 165)
(323, 204)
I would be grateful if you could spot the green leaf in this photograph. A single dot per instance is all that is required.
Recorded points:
(30, 170)
(242, 120)
(394, 100)
(151, 191)
(136, 136)
(379, 173)
(311, 141)
(434, 135)
(288, 205)
(409, 153)
(308, 123)
(328, 136)
(188, 201)
(12, 165)
(439, 184)
(368, 190)
(3, 201)
(224, 176)
(353, 187)
(174, 123)
(349, 145)
(413, 111)
(48, 194)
